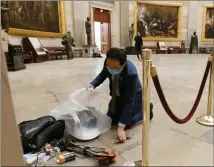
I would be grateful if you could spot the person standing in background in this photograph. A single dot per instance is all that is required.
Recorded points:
(138, 45)
(68, 42)
(194, 44)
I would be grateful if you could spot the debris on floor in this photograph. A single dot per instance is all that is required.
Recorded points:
(100, 154)
(67, 157)
(138, 163)
(82, 115)
(118, 141)
(67, 150)
(52, 136)
(33, 159)
(129, 164)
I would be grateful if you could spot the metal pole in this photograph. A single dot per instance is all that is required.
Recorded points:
(213, 80)
(207, 119)
(209, 105)
(147, 56)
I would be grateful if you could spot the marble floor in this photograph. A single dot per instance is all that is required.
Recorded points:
(42, 86)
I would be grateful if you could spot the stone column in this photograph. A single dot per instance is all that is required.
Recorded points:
(68, 6)
(81, 11)
(192, 20)
(73, 18)
(115, 27)
(124, 24)
(92, 23)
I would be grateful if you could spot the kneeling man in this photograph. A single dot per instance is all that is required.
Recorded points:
(125, 107)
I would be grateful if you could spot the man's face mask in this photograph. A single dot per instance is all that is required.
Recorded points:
(114, 71)
(114, 67)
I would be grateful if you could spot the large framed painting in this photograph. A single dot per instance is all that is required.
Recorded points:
(157, 21)
(37, 18)
(208, 23)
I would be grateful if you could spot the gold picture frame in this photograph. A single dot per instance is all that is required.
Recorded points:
(179, 23)
(32, 33)
(203, 38)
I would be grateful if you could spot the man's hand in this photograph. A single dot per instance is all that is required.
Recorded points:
(121, 134)
(90, 87)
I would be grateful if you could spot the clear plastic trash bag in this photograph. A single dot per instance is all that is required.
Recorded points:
(82, 114)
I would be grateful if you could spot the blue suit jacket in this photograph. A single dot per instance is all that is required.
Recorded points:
(129, 86)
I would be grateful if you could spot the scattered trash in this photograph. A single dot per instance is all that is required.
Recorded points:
(104, 157)
(57, 150)
(79, 118)
(118, 141)
(96, 53)
(45, 158)
(32, 159)
(138, 163)
(129, 147)
(49, 150)
(129, 164)
(67, 157)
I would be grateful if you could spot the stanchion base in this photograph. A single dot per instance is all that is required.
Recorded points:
(139, 163)
(205, 120)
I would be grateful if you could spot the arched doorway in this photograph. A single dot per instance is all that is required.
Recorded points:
(102, 29)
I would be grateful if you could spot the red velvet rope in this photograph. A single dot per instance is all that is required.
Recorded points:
(165, 104)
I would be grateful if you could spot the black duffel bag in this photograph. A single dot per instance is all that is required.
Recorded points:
(35, 133)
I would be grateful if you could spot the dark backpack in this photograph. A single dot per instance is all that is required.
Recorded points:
(64, 41)
(36, 133)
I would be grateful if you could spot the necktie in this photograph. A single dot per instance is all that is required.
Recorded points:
(115, 91)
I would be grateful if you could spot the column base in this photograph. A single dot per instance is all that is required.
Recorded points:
(137, 163)
(88, 50)
(205, 120)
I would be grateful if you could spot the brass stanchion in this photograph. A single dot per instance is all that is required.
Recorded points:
(147, 56)
(207, 119)
(213, 79)
(213, 76)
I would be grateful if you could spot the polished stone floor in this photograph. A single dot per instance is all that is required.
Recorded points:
(42, 86)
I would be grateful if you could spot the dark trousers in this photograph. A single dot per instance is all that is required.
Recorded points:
(137, 114)
(69, 54)
(136, 110)
(138, 50)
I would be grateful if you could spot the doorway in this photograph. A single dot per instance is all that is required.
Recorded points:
(102, 29)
